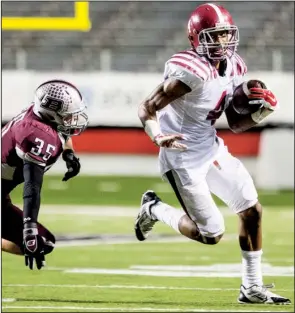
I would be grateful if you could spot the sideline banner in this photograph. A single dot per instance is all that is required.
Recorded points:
(113, 97)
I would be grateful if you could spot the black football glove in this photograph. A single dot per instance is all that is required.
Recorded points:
(72, 162)
(33, 246)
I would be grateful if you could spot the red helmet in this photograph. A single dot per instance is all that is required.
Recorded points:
(207, 21)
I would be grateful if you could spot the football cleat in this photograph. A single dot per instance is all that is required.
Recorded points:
(144, 222)
(260, 295)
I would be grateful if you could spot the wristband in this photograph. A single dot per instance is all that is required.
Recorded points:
(68, 155)
(259, 115)
(152, 128)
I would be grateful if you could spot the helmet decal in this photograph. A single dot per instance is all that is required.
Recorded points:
(61, 103)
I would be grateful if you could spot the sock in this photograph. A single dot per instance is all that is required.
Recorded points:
(167, 214)
(251, 268)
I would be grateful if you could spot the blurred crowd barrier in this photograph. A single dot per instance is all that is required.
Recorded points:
(113, 99)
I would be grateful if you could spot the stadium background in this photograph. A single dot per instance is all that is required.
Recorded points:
(115, 53)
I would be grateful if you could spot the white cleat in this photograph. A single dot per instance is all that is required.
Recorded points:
(260, 295)
(144, 222)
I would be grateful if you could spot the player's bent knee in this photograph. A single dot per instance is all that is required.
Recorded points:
(212, 240)
(209, 234)
(213, 234)
(214, 231)
(253, 213)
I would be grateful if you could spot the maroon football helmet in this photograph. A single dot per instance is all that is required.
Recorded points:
(207, 23)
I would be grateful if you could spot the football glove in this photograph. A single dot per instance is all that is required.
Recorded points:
(72, 162)
(169, 141)
(152, 128)
(264, 97)
(33, 246)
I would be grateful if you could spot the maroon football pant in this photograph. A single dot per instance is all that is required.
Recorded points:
(12, 226)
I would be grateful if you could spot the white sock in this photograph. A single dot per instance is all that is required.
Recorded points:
(251, 268)
(167, 214)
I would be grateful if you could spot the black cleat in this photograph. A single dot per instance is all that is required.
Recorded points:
(144, 222)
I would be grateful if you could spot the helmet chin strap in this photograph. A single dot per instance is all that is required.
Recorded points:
(219, 64)
(46, 120)
(222, 64)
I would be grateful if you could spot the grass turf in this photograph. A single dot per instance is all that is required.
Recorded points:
(55, 289)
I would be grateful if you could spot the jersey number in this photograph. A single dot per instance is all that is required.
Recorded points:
(218, 110)
(39, 148)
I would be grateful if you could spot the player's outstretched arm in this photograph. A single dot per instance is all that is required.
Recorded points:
(68, 144)
(168, 91)
(33, 242)
(72, 162)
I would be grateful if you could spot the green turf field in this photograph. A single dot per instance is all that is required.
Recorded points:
(113, 190)
(112, 272)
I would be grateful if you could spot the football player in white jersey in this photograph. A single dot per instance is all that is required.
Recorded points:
(179, 117)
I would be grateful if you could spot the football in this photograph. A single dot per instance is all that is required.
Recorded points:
(240, 100)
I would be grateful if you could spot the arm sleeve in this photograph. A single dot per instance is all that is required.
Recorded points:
(182, 74)
(33, 179)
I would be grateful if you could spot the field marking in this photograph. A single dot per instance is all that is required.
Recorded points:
(8, 300)
(118, 309)
(94, 242)
(281, 260)
(127, 211)
(213, 270)
(227, 270)
(222, 270)
(220, 267)
(129, 287)
(152, 240)
(167, 273)
(132, 240)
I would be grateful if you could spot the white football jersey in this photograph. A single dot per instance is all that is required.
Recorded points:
(194, 114)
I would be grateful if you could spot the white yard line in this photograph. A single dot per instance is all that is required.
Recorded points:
(131, 240)
(124, 309)
(124, 211)
(106, 271)
(215, 270)
(127, 287)
(279, 260)
(152, 240)
(8, 299)
(96, 242)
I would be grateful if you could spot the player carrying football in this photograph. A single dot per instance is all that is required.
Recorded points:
(179, 117)
(31, 143)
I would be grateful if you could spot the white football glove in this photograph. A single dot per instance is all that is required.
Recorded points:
(168, 141)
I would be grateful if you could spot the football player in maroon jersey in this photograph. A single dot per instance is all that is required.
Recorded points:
(31, 143)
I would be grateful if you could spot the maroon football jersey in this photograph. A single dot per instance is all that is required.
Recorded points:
(27, 137)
